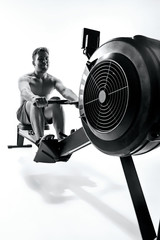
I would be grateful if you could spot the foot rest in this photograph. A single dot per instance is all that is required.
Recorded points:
(49, 152)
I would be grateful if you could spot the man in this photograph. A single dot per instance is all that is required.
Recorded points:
(35, 89)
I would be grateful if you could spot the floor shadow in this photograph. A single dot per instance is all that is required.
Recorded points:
(57, 189)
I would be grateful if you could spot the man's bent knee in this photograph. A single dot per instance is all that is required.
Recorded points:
(33, 111)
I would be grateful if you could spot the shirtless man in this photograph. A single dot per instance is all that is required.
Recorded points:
(35, 89)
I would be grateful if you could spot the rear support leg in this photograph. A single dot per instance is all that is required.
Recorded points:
(20, 139)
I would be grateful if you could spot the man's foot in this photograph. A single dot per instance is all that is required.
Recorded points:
(47, 137)
(61, 136)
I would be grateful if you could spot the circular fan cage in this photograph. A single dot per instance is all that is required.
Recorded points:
(106, 96)
(118, 96)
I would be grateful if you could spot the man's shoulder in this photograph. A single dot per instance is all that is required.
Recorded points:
(26, 76)
(52, 78)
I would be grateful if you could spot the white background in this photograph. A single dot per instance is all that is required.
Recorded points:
(86, 198)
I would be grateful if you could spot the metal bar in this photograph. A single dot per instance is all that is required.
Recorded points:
(20, 146)
(140, 206)
(73, 142)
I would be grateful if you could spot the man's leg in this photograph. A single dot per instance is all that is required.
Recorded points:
(54, 114)
(37, 119)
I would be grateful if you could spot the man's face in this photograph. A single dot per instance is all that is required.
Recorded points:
(41, 62)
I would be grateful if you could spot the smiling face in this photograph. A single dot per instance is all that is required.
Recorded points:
(41, 62)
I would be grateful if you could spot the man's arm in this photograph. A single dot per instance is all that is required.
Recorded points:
(65, 92)
(25, 89)
(28, 95)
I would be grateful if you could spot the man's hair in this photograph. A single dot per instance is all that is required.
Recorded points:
(37, 50)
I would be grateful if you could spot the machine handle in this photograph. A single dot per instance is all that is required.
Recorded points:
(61, 101)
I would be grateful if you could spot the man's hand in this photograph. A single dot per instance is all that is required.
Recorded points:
(77, 105)
(40, 102)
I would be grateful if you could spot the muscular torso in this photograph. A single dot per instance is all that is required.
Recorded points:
(41, 86)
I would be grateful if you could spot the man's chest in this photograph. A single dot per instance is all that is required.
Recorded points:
(41, 87)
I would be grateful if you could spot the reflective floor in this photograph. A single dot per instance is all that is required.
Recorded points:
(86, 198)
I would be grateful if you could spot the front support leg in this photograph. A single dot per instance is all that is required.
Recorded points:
(138, 199)
(158, 236)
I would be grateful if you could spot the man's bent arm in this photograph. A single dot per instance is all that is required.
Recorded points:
(65, 92)
(25, 89)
